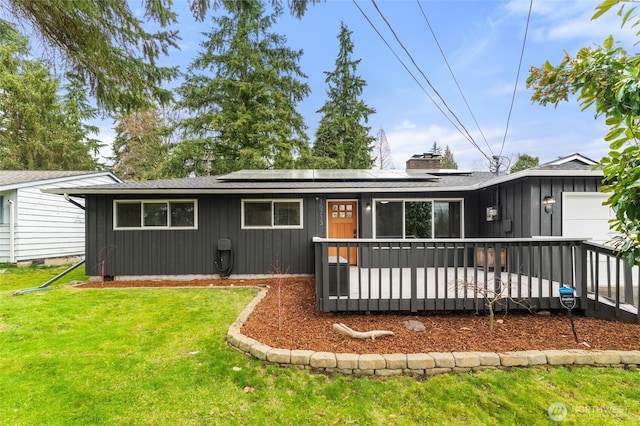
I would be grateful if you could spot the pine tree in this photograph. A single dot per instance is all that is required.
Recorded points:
(436, 149)
(139, 146)
(39, 129)
(341, 134)
(244, 117)
(447, 161)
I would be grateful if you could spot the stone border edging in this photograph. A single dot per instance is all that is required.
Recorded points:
(429, 364)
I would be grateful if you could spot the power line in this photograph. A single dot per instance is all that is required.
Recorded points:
(515, 86)
(411, 74)
(470, 138)
(424, 15)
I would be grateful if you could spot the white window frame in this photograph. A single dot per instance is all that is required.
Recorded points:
(433, 211)
(155, 201)
(272, 201)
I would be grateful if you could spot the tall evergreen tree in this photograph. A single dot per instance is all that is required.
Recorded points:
(139, 146)
(342, 135)
(109, 48)
(244, 117)
(39, 130)
(436, 149)
(447, 161)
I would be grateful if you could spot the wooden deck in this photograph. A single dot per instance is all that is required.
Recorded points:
(446, 275)
(438, 283)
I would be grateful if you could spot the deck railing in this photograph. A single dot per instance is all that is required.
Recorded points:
(419, 275)
(612, 287)
(445, 274)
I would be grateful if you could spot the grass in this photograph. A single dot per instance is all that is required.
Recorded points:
(155, 357)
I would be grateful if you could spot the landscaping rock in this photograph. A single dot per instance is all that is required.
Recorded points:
(559, 357)
(347, 361)
(389, 372)
(395, 361)
(536, 357)
(371, 362)
(582, 357)
(607, 357)
(414, 325)
(301, 357)
(513, 359)
(466, 359)
(443, 359)
(490, 359)
(630, 357)
(323, 360)
(420, 361)
(260, 351)
(279, 356)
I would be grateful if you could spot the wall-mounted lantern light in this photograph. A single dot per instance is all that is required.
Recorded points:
(548, 201)
(368, 206)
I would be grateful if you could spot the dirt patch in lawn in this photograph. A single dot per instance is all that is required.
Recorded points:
(289, 319)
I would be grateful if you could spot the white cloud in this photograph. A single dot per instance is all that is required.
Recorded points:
(407, 139)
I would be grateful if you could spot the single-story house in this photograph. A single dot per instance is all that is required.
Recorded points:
(266, 218)
(35, 225)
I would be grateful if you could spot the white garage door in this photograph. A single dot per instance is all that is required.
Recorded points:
(584, 216)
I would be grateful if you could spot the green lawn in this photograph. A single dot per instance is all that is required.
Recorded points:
(156, 357)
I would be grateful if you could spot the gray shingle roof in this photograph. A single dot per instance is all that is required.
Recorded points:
(337, 181)
(300, 183)
(13, 177)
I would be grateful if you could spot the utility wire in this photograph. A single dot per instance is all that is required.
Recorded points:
(515, 86)
(473, 142)
(411, 74)
(424, 15)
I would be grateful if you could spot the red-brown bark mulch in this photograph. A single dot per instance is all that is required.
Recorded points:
(287, 318)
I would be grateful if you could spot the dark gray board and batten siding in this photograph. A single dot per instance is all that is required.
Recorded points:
(521, 212)
(180, 252)
(256, 251)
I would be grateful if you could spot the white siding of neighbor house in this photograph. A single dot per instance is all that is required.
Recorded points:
(46, 225)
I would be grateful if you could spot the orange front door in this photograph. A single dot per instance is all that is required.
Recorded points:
(343, 223)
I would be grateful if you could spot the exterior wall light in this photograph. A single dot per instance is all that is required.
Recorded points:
(368, 206)
(548, 201)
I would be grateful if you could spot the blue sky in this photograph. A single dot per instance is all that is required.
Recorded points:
(482, 42)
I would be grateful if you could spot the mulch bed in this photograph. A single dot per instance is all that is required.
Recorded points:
(287, 318)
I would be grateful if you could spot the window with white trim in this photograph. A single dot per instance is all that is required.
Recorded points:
(271, 214)
(155, 214)
(418, 219)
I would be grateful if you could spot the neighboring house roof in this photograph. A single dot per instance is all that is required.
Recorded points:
(339, 181)
(12, 179)
(570, 162)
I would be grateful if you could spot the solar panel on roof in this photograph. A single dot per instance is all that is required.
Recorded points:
(326, 175)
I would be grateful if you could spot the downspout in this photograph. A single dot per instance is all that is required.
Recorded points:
(12, 236)
(74, 202)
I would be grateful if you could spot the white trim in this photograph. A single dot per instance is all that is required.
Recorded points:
(142, 202)
(404, 200)
(272, 201)
(12, 231)
(572, 157)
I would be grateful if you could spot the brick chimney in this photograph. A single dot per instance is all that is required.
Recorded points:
(427, 160)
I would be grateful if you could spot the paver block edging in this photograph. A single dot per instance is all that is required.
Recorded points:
(431, 363)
